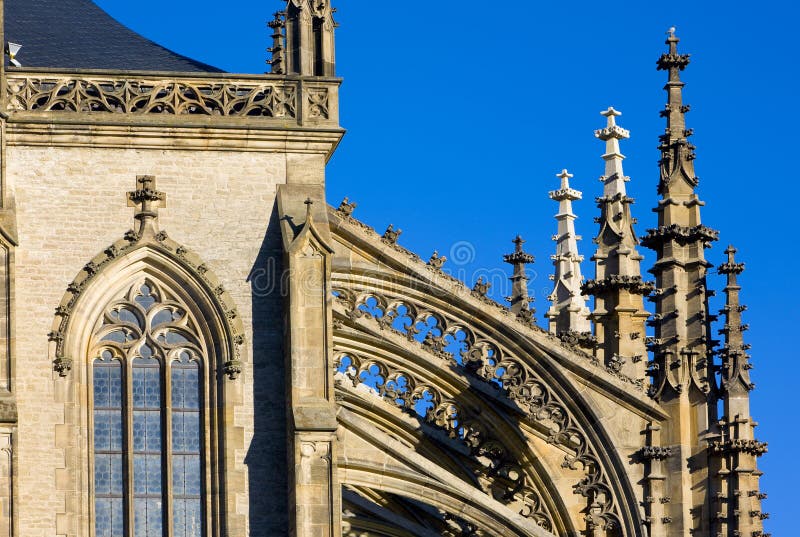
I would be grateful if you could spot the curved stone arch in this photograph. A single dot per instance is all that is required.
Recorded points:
(406, 473)
(100, 282)
(606, 477)
(481, 427)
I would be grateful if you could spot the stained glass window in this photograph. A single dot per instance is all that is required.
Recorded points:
(108, 446)
(186, 467)
(148, 413)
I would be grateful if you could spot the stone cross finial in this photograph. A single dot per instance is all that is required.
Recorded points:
(309, 203)
(146, 198)
(518, 242)
(731, 252)
(611, 113)
(565, 177)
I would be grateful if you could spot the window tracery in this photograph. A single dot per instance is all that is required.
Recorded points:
(148, 361)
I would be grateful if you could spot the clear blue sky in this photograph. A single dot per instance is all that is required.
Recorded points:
(459, 115)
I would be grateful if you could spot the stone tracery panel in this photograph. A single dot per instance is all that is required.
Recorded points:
(187, 96)
(493, 463)
(480, 356)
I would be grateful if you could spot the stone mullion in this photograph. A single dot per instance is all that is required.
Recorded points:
(127, 445)
(166, 447)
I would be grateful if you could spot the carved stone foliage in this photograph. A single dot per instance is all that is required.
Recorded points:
(656, 453)
(493, 464)
(634, 284)
(751, 447)
(480, 356)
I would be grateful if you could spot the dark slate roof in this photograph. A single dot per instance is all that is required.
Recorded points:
(78, 34)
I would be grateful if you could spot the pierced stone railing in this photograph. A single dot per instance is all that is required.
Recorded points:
(297, 100)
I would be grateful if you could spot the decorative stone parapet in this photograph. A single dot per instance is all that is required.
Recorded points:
(298, 100)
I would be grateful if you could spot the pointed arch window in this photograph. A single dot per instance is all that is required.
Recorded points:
(148, 364)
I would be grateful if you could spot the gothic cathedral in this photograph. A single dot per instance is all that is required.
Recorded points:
(193, 343)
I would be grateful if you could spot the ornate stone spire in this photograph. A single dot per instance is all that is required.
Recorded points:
(681, 321)
(277, 49)
(682, 366)
(303, 39)
(738, 504)
(735, 362)
(618, 288)
(520, 301)
(568, 313)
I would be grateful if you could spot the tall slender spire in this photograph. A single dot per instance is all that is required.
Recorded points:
(618, 288)
(682, 364)
(735, 362)
(277, 50)
(520, 301)
(568, 313)
(739, 500)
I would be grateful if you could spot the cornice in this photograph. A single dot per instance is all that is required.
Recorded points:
(185, 135)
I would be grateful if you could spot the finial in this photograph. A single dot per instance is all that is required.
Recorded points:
(391, 234)
(731, 267)
(565, 176)
(309, 202)
(277, 20)
(519, 257)
(731, 252)
(436, 261)
(612, 130)
(672, 61)
(481, 286)
(147, 201)
(520, 301)
(347, 207)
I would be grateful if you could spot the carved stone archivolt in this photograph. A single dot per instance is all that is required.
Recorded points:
(147, 236)
(477, 354)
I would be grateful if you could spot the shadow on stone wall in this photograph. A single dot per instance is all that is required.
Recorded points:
(266, 458)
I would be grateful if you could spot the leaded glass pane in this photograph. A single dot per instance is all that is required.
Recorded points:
(147, 456)
(148, 326)
(108, 478)
(146, 299)
(188, 521)
(108, 517)
(148, 515)
(186, 467)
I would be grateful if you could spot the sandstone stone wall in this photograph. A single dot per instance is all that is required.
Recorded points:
(71, 204)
